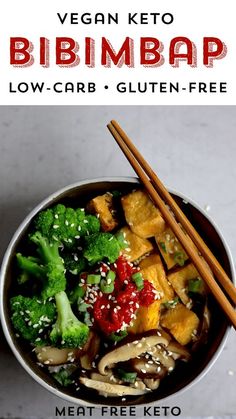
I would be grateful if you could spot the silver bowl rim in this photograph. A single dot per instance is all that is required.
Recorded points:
(25, 223)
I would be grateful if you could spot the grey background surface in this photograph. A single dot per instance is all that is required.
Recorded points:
(45, 148)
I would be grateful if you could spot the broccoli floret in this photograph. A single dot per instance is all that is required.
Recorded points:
(55, 280)
(101, 246)
(66, 225)
(31, 317)
(77, 293)
(29, 266)
(68, 331)
(75, 263)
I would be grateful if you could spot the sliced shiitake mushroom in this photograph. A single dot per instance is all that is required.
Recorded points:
(146, 370)
(130, 350)
(109, 378)
(178, 351)
(161, 355)
(49, 355)
(152, 383)
(88, 358)
(111, 389)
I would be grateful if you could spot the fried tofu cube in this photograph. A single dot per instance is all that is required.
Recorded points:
(103, 207)
(152, 269)
(180, 279)
(147, 318)
(170, 248)
(181, 322)
(142, 216)
(136, 246)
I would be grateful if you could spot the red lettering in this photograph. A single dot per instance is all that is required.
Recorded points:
(90, 52)
(44, 52)
(125, 55)
(66, 49)
(213, 49)
(150, 49)
(176, 56)
(20, 49)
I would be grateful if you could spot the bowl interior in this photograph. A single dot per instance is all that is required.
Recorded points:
(185, 373)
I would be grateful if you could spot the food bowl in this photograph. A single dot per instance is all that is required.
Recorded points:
(184, 375)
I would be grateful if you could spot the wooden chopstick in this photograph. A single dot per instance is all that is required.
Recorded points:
(181, 217)
(141, 166)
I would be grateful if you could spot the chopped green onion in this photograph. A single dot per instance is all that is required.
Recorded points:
(111, 275)
(195, 285)
(105, 287)
(138, 279)
(116, 194)
(163, 246)
(171, 303)
(87, 319)
(93, 279)
(121, 240)
(179, 257)
(63, 377)
(116, 337)
(83, 307)
(127, 377)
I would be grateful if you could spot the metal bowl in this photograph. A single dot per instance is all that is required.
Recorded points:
(184, 375)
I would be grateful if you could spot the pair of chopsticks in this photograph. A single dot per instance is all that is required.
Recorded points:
(162, 198)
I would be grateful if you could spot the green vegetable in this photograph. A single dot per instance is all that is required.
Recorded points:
(93, 279)
(66, 225)
(117, 337)
(63, 377)
(179, 257)
(111, 276)
(31, 317)
(127, 377)
(83, 307)
(138, 279)
(105, 287)
(101, 246)
(55, 280)
(75, 263)
(195, 285)
(163, 246)
(121, 240)
(171, 303)
(76, 293)
(68, 331)
(30, 267)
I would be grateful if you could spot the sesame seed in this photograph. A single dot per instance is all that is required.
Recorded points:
(40, 330)
(85, 221)
(230, 372)
(79, 228)
(77, 237)
(143, 370)
(72, 225)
